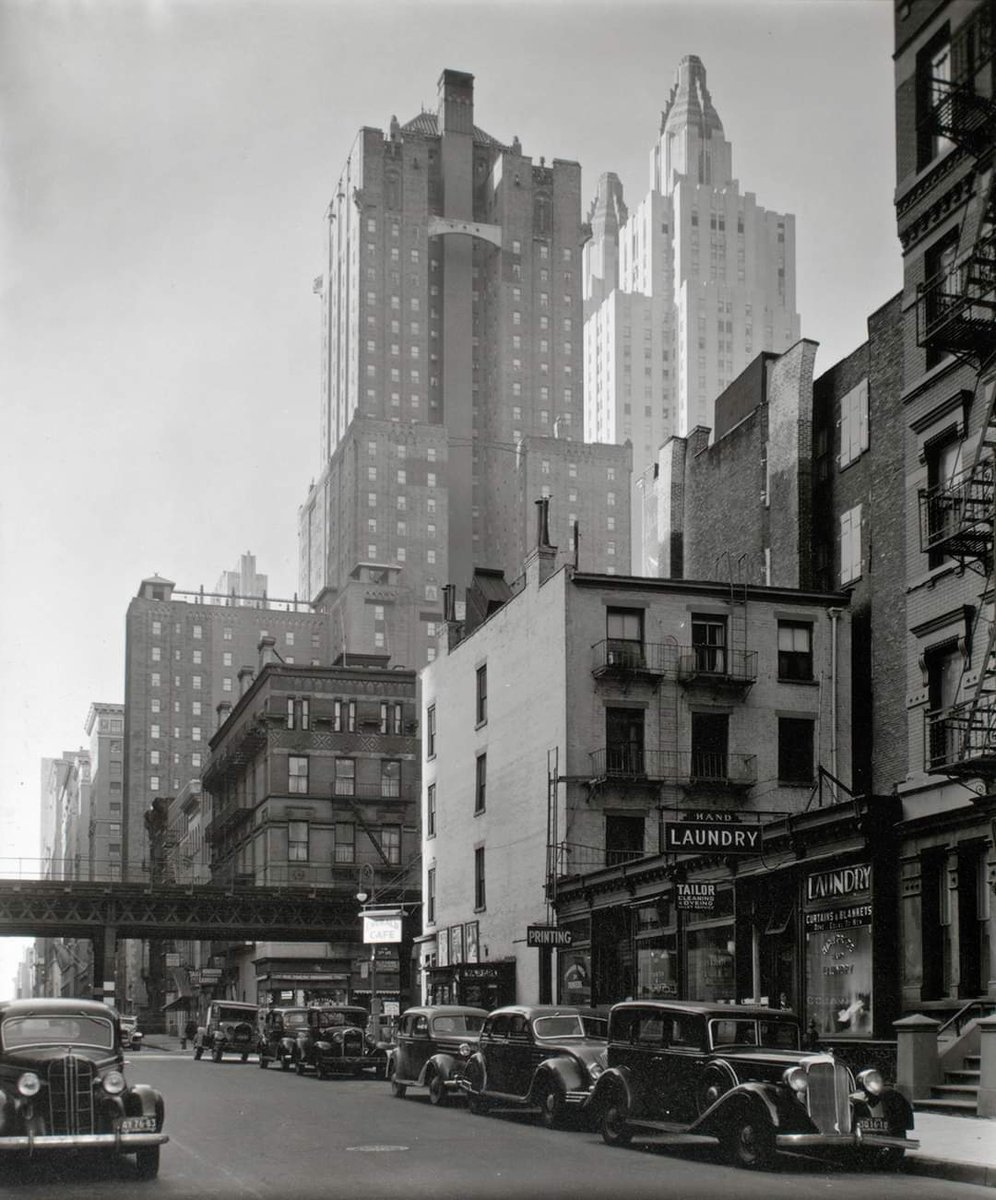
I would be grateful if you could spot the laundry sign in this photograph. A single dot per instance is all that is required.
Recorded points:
(704, 837)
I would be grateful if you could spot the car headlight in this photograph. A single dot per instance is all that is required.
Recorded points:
(797, 1079)
(871, 1081)
(113, 1083)
(595, 1069)
(29, 1084)
(464, 1050)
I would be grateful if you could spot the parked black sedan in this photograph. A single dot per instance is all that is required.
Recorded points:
(737, 1073)
(62, 1084)
(335, 1041)
(278, 1036)
(433, 1047)
(539, 1058)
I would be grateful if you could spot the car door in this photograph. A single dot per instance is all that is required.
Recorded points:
(648, 1064)
(420, 1048)
(522, 1055)
(494, 1048)
(683, 1059)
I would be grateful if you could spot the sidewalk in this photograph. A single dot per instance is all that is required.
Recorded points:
(962, 1149)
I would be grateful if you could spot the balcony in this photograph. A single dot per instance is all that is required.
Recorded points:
(956, 311)
(963, 116)
(956, 516)
(573, 859)
(716, 667)
(961, 741)
(704, 770)
(625, 658)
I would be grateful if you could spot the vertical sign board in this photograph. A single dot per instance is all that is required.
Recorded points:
(838, 924)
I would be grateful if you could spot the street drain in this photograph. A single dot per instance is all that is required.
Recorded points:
(375, 1149)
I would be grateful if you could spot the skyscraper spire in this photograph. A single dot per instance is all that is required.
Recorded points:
(691, 141)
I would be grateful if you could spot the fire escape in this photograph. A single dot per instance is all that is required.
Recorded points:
(956, 314)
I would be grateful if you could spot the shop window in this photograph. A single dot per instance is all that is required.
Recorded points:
(795, 749)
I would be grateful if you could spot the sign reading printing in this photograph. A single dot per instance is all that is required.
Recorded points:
(695, 897)
(548, 935)
(718, 837)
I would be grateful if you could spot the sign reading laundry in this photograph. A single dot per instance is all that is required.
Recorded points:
(691, 836)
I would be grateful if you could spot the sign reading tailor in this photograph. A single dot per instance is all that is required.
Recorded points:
(722, 837)
(695, 897)
(548, 935)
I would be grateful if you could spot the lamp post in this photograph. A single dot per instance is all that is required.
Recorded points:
(363, 894)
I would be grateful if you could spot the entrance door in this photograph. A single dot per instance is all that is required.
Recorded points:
(710, 739)
(971, 869)
(932, 940)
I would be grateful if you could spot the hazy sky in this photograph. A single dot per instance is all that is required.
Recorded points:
(164, 171)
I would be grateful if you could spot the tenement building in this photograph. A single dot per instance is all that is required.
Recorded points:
(645, 764)
(945, 135)
(312, 781)
(452, 378)
(685, 289)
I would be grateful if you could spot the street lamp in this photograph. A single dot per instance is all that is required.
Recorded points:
(364, 892)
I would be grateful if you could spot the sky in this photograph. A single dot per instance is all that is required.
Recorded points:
(164, 172)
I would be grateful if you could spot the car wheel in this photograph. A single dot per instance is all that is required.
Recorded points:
(884, 1158)
(245, 1057)
(216, 1056)
(299, 1067)
(398, 1089)
(477, 1104)
(285, 1062)
(437, 1090)
(615, 1131)
(551, 1102)
(263, 1061)
(750, 1141)
(711, 1087)
(147, 1162)
(321, 1072)
(198, 1051)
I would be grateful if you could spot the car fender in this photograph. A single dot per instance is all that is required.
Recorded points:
(778, 1107)
(564, 1070)
(610, 1085)
(442, 1064)
(476, 1070)
(321, 1047)
(891, 1104)
(145, 1101)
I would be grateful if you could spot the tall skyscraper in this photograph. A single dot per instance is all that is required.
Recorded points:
(682, 292)
(451, 384)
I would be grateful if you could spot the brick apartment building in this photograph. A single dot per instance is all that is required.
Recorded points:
(581, 728)
(312, 782)
(945, 139)
(452, 378)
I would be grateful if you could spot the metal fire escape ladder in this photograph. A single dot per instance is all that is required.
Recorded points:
(367, 829)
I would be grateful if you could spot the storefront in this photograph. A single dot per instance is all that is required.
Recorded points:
(300, 982)
(485, 985)
(808, 922)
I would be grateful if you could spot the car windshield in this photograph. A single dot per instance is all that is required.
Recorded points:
(64, 1030)
(457, 1023)
(330, 1020)
(296, 1020)
(565, 1025)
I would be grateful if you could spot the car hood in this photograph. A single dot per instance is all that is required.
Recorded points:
(759, 1056)
(38, 1058)
(589, 1051)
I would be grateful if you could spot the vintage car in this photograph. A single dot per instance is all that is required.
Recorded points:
(335, 1041)
(737, 1073)
(534, 1057)
(229, 1028)
(278, 1035)
(432, 1049)
(62, 1084)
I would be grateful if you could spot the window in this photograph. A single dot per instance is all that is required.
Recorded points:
(482, 694)
(156, 679)
(195, 682)
(226, 683)
(153, 731)
(195, 708)
(850, 545)
(197, 631)
(390, 778)
(854, 424)
(623, 838)
(290, 713)
(197, 657)
(710, 737)
(390, 843)
(195, 759)
(344, 850)
(480, 894)
(430, 895)
(624, 741)
(430, 731)
(480, 783)
(343, 716)
(226, 633)
(391, 718)
(795, 650)
(795, 749)
(933, 86)
(156, 654)
(344, 781)
(709, 644)
(944, 669)
(195, 733)
(154, 758)
(297, 775)
(154, 705)
(943, 455)
(430, 810)
(297, 841)
(624, 637)
(153, 783)
(226, 658)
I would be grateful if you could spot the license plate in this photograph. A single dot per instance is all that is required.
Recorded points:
(138, 1125)
(873, 1125)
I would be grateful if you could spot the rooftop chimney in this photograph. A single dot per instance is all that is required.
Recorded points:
(246, 677)
(267, 647)
(223, 708)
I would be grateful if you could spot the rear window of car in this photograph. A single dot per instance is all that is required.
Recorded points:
(568, 1025)
(295, 1020)
(457, 1023)
(234, 1014)
(57, 1031)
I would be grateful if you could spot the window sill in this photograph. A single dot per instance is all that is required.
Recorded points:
(797, 783)
(799, 682)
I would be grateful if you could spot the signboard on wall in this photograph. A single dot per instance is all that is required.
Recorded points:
(711, 837)
(838, 922)
(548, 935)
(379, 928)
(695, 897)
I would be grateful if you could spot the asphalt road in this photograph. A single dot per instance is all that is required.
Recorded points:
(238, 1132)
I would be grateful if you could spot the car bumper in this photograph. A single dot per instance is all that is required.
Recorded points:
(124, 1142)
(576, 1099)
(800, 1141)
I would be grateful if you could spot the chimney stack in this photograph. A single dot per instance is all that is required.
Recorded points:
(223, 708)
(246, 677)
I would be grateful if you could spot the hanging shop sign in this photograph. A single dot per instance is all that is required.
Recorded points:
(838, 884)
(548, 935)
(382, 927)
(703, 837)
(695, 897)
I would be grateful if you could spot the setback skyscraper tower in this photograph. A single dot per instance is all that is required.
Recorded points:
(451, 383)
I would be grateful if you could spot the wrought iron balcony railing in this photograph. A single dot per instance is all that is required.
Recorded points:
(961, 740)
(956, 310)
(717, 666)
(572, 858)
(956, 516)
(703, 768)
(628, 656)
(963, 116)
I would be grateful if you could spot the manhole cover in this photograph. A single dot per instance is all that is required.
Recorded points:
(376, 1149)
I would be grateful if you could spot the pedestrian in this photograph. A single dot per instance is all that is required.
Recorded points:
(189, 1033)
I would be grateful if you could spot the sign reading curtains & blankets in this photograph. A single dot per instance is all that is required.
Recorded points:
(838, 923)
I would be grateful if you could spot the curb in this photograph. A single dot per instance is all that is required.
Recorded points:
(983, 1174)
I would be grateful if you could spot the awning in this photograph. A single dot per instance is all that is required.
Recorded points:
(179, 1002)
(279, 978)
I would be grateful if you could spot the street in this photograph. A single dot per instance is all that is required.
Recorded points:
(236, 1131)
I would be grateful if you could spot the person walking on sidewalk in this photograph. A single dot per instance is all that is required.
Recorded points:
(189, 1033)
